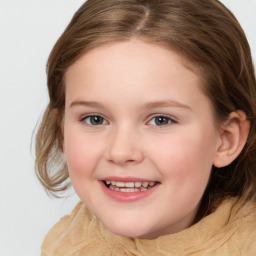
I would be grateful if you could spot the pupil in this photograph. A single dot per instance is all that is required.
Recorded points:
(96, 120)
(161, 120)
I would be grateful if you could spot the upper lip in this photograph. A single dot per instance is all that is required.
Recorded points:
(126, 179)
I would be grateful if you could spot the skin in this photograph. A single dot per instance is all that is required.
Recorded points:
(126, 85)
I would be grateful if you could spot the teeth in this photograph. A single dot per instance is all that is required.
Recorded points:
(136, 184)
(119, 184)
(145, 184)
(129, 189)
(129, 184)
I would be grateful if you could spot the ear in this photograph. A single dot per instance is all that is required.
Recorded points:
(233, 137)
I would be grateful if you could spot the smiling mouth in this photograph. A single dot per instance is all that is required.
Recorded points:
(129, 187)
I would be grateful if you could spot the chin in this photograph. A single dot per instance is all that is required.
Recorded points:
(127, 231)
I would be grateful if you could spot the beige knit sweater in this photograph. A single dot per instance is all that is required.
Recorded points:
(229, 231)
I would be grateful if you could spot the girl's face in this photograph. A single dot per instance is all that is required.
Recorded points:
(139, 138)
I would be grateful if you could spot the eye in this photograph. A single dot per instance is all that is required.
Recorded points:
(161, 120)
(94, 120)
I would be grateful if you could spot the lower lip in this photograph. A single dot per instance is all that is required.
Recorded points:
(127, 196)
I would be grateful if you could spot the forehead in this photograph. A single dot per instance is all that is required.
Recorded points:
(124, 77)
(134, 56)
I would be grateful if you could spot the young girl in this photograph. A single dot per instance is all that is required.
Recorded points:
(153, 106)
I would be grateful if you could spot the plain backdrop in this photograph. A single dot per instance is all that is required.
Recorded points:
(28, 30)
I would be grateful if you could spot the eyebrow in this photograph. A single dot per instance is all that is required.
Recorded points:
(85, 104)
(147, 105)
(166, 103)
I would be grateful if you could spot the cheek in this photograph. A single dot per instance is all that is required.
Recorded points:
(186, 166)
(184, 158)
(80, 155)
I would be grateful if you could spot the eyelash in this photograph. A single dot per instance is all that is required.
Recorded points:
(164, 118)
(94, 116)
(102, 121)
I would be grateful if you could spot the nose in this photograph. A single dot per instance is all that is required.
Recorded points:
(124, 147)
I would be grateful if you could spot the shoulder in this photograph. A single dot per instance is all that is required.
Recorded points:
(245, 228)
(237, 235)
(230, 230)
(67, 232)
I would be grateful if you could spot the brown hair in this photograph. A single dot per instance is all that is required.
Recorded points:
(205, 32)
